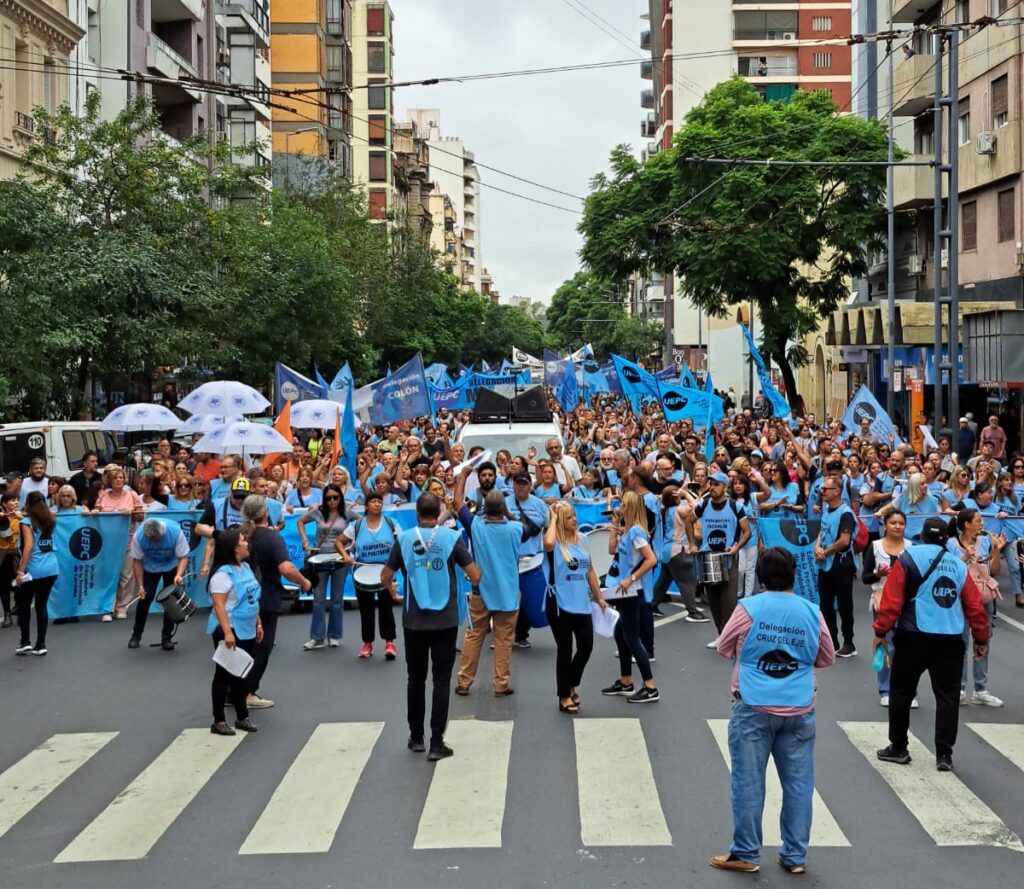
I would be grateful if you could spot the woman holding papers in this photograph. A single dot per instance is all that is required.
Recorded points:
(573, 584)
(235, 621)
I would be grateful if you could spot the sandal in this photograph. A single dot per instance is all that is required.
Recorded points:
(575, 698)
(570, 708)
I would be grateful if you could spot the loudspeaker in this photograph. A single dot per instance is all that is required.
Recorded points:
(490, 407)
(531, 405)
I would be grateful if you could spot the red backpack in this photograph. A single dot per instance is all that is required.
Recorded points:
(861, 540)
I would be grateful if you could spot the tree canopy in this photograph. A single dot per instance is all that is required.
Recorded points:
(790, 238)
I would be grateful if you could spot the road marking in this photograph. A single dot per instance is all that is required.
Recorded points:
(306, 808)
(619, 802)
(465, 805)
(825, 831)
(130, 826)
(945, 807)
(1013, 623)
(1006, 739)
(37, 774)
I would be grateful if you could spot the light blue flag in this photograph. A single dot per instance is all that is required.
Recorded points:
(635, 382)
(290, 385)
(456, 397)
(90, 551)
(568, 392)
(780, 407)
(667, 374)
(686, 377)
(401, 396)
(866, 406)
(437, 375)
(349, 441)
(554, 370)
(319, 377)
(708, 385)
(341, 383)
(798, 535)
(594, 379)
(611, 377)
(679, 403)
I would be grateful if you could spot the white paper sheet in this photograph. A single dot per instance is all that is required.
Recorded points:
(604, 621)
(235, 660)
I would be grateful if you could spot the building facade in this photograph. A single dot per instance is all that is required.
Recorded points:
(412, 179)
(445, 236)
(373, 111)
(37, 38)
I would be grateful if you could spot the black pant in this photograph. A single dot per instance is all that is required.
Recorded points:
(646, 618)
(629, 639)
(8, 566)
(379, 604)
(522, 626)
(223, 681)
(565, 627)
(679, 569)
(152, 583)
(837, 585)
(942, 657)
(263, 650)
(438, 648)
(36, 590)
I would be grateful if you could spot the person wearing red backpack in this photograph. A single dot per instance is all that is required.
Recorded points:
(837, 563)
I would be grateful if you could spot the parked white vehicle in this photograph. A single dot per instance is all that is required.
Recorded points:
(515, 437)
(61, 443)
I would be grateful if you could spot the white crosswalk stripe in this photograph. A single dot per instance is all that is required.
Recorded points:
(945, 807)
(618, 798)
(304, 813)
(130, 826)
(35, 776)
(465, 806)
(1007, 739)
(825, 831)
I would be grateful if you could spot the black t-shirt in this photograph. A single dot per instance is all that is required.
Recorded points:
(81, 484)
(267, 550)
(436, 448)
(415, 618)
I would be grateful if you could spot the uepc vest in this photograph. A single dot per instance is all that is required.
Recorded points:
(776, 666)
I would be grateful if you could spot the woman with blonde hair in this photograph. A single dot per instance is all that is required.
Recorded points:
(958, 490)
(630, 544)
(67, 501)
(573, 585)
(914, 499)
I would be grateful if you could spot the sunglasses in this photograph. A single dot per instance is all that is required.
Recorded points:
(184, 487)
(238, 495)
(333, 498)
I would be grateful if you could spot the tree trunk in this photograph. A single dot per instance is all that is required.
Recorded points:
(83, 409)
(789, 378)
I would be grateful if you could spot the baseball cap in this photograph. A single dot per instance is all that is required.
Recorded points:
(935, 530)
(963, 419)
(522, 477)
(720, 478)
(757, 453)
(240, 486)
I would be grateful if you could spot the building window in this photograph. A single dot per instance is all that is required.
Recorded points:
(378, 166)
(821, 23)
(49, 86)
(1000, 102)
(1005, 210)
(969, 225)
(823, 60)
(335, 17)
(336, 112)
(378, 203)
(965, 123)
(376, 58)
(999, 6)
(963, 11)
(378, 132)
(925, 143)
(335, 62)
(377, 96)
(375, 21)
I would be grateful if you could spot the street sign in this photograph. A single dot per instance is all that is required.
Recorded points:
(897, 380)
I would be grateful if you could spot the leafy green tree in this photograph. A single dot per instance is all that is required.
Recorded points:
(789, 238)
(499, 328)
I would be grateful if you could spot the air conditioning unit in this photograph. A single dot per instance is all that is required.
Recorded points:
(985, 143)
(224, 59)
(944, 258)
(789, 35)
(915, 265)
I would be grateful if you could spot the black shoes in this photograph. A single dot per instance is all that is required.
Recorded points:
(944, 762)
(167, 645)
(848, 650)
(245, 725)
(134, 642)
(439, 750)
(221, 728)
(416, 745)
(617, 688)
(891, 754)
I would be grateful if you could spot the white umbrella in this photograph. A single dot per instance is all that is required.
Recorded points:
(224, 397)
(317, 413)
(140, 417)
(243, 438)
(203, 423)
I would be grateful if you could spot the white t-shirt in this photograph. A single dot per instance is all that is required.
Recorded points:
(28, 485)
(574, 469)
(180, 547)
(221, 583)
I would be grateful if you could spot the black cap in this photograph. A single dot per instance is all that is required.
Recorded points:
(935, 531)
(522, 477)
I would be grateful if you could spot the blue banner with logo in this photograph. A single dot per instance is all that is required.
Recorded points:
(90, 553)
(680, 403)
(568, 393)
(780, 407)
(593, 376)
(554, 369)
(866, 407)
(635, 382)
(290, 385)
(455, 398)
(342, 382)
(401, 396)
(798, 535)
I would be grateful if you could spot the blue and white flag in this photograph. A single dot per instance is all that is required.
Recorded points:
(866, 406)
(554, 369)
(686, 377)
(349, 441)
(568, 393)
(798, 535)
(586, 352)
(455, 397)
(401, 396)
(290, 385)
(635, 382)
(679, 403)
(593, 376)
(340, 385)
(90, 552)
(780, 407)
(437, 375)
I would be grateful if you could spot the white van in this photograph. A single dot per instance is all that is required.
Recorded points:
(515, 437)
(61, 443)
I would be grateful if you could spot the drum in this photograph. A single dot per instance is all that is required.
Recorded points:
(325, 561)
(711, 568)
(597, 546)
(367, 577)
(176, 603)
(532, 587)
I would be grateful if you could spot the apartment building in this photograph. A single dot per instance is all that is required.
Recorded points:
(373, 105)
(445, 235)
(453, 170)
(312, 53)
(36, 41)
(412, 179)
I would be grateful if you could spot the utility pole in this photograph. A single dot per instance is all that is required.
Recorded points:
(890, 197)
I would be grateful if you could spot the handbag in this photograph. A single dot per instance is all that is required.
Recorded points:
(987, 585)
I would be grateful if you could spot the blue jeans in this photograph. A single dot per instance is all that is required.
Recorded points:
(790, 741)
(979, 666)
(320, 617)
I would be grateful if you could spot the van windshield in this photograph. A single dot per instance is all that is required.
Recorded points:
(18, 448)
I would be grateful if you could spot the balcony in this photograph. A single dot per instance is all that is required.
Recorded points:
(166, 62)
(176, 10)
(768, 66)
(645, 40)
(914, 85)
(649, 126)
(914, 187)
(647, 98)
(26, 123)
(753, 28)
(909, 11)
(247, 15)
(647, 70)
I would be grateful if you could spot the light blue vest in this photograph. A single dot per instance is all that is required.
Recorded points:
(830, 531)
(43, 561)
(426, 565)
(374, 547)
(496, 551)
(570, 585)
(937, 603)
(627, 559)
(247, 609)
(720, 526)
(158, 557)
(776, 667)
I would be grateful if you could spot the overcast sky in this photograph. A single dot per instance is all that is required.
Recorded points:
(556, 129)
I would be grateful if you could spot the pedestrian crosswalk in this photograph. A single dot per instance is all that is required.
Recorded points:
(466, 805)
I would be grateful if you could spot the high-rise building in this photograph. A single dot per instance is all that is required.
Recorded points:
(454, 172)
(36, 40)
(412, 179)
(445, 236)
(312, 54)
(373, 105)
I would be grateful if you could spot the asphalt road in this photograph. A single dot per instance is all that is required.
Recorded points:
(619, 796)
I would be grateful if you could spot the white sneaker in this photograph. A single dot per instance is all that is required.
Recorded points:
(884, 700)
(106, 618)
(258, 702)
(120, 615)
(334, 643)
(963, 698)
(985, 699)
(314, 644)
(713, 643)
(914, 704)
